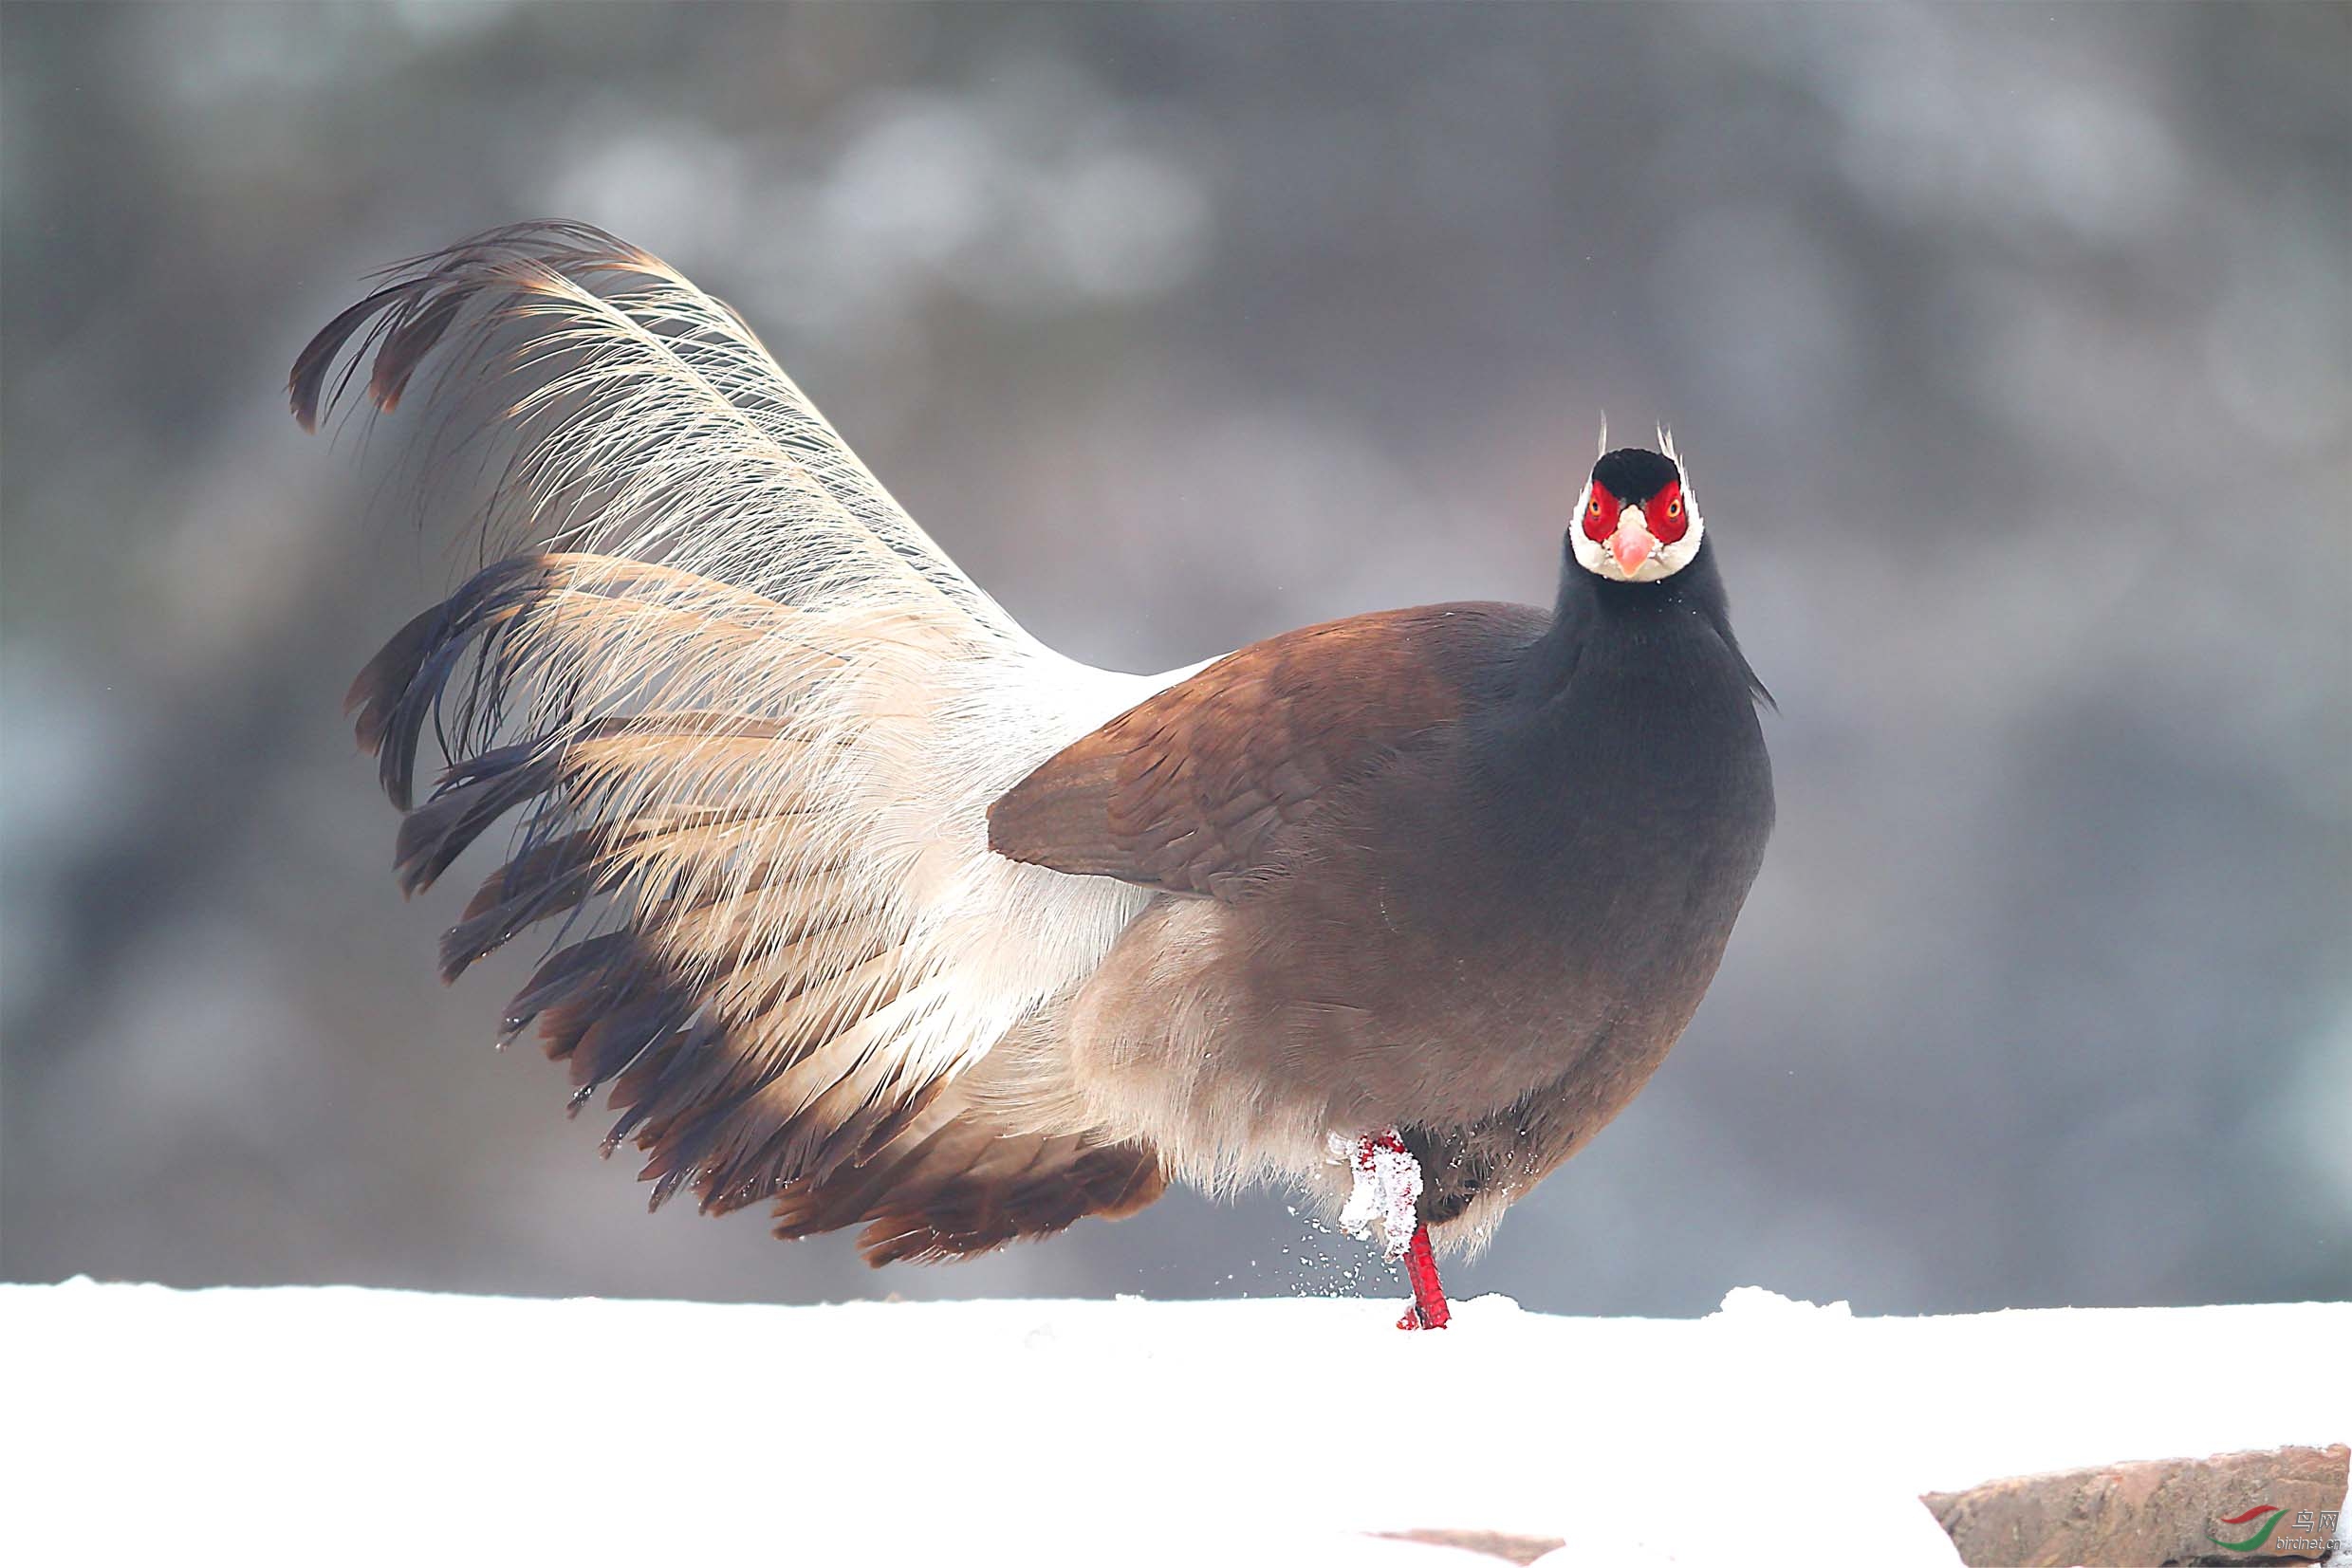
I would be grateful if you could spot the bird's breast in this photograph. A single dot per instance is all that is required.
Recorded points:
(1502, 911)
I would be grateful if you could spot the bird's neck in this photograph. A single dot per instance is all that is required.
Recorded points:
(1598, 625)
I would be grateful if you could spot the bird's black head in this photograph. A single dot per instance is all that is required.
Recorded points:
(1637, 521)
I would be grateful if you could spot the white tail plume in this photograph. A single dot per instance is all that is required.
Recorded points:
(756, 713)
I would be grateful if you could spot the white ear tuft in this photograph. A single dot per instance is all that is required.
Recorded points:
(1604, 436)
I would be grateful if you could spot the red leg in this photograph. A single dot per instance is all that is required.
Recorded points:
(1429, 1296)
(1388, 1188)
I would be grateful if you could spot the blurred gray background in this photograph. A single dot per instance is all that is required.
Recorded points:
(2008, 345)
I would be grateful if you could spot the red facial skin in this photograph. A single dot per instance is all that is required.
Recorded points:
(1669, 518)
(1600, 514)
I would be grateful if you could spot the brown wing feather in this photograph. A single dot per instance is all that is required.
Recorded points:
(1188, 790)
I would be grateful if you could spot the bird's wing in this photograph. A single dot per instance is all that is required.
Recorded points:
(1188, 790)
(750, 718)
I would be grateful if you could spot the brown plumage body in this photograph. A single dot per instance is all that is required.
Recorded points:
(903, 921)
(1416, 915)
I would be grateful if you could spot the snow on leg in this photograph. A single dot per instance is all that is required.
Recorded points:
(1388, 1188)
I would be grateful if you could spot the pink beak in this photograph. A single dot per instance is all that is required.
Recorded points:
(1633, 541)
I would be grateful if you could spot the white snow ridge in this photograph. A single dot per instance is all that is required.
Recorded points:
(149, 1425)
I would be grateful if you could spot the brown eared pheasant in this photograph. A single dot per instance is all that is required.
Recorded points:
(864, 904)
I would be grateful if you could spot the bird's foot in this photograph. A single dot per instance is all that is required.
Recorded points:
(1388, 1188)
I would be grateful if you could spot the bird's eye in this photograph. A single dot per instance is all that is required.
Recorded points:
(1593, 511)
(1674, 508)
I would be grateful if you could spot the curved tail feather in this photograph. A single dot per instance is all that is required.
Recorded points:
(751, 718)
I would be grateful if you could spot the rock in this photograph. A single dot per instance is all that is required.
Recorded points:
(2262, 1507)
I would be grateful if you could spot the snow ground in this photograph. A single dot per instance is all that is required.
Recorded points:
(148, 1425)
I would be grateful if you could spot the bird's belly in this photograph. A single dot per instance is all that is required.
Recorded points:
(1506, 948)
(1531, 992)
(1437, 953)
(1238, 1039)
